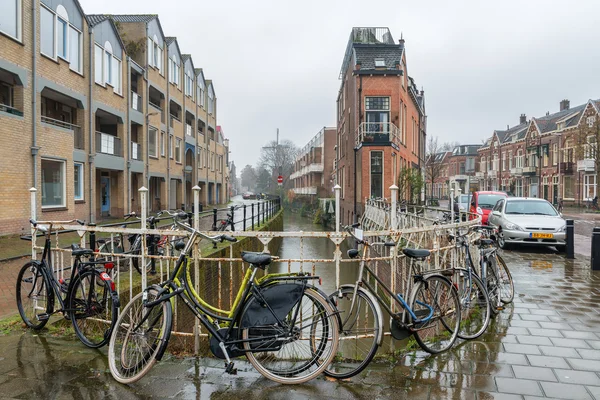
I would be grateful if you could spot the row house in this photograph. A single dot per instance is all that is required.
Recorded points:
(381, 120)
(437, 168)
(462, 167)
(551, 157)
(92, 107)
(313, 168)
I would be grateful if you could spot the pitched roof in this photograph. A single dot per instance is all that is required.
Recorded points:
(170, 39)
(366, 54)
(134, 17)
(466, 150)
(548, 123)
(95, 19)
(185, 57)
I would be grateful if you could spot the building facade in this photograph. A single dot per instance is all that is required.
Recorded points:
(462, 167)
(381, 121)
(93, 107)
(313, 169)
(437, 178)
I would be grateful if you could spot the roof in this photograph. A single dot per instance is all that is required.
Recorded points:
(134, 17)
(185, 57)
(366, 54)
(548, 123)
(170, 39)
(95, 19)
(465, 150)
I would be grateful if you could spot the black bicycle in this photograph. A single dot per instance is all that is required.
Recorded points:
(87, 298)
(226, 224)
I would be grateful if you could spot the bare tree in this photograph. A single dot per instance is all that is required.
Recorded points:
(279, 159)
(433, 163)
(248, 177)
(449, 146)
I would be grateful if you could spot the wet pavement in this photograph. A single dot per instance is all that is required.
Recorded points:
(545, 345)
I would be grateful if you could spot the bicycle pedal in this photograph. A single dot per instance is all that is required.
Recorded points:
(499, 308)
(230, 369)
(43, 317)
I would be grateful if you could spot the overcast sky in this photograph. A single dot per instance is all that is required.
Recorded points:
(275, 64)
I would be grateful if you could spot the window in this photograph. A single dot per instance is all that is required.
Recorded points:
(590, 120)
(200, 94)
(154, 54)
(98, 66)
(152, 141)
(47, 31)
(53, 183)
(568, 151)
(377, 174)
(545, 155)
(174, 71)
(482, 165)
(211, 98)
(378, 118)
(107, 67)
(6, 94)
(178, 150)
(75, 49)
(555, 154)
(568, 187)
(189, 84)
(162, 143)
(589, 149)
(519, 187)
(519, 159)
(171, 146)
(78, 176)
(10, 18)
(503, 161)
(61, 37)
(589, 187)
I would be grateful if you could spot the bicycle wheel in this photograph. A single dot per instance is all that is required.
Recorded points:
(358, 337)
(223, 225)
(493, 288)
(474, 304)
(34, 295)
(301, 352)
(139, 337)
(505, 280)
(92, 309)
(435, 294)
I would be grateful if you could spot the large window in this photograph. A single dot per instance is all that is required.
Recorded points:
(47, 19)
(200, 90)
(554, 154)
(189, 85)
(152, 131)
(107, 67)
(178, 150)
(376, 174)
(75, 49)
(519, 187)
(53, 183)
(589, 187)
(59, 38)
(174, 72)
(568, 187)
(378, 115)
(78, 178)
(10, 18)
(154, 54)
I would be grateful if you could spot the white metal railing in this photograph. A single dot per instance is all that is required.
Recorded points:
(378, 132)
(108, 144)
(188, 130)
(516, 171)
(587, 165)
(136, 151)
(136, 101)
(220, 276)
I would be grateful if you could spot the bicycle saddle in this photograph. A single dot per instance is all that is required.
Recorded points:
(260, 260)
(78, 251)
(419, 254)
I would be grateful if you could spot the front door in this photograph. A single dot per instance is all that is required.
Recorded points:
(105, 195)
(173, 195)
(546, 192)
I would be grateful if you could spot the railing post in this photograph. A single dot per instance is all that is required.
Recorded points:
(394, 216)
(244, 223)
(337, 189)
(252, 205)
(571, 240)
(33, 215)
(144, 203)
(232, 218)
(214, 219)
(196, 190)
(258, 215)
(595, 259)
(452, 205)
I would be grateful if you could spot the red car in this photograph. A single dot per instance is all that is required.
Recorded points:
(483, 202)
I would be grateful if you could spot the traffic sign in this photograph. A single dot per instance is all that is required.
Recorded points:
(280, 179)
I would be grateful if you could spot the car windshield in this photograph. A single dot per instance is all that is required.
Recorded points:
(464, 198)
(489, 200)
(530, 207)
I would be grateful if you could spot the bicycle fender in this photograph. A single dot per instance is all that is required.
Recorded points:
(377, 309)
(168, 325)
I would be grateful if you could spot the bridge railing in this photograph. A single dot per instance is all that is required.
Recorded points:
(217, 274)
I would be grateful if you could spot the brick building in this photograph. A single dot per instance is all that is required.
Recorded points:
(462, 167)
(437, 178)
(381, 119)
(313, 169)
(92, 107)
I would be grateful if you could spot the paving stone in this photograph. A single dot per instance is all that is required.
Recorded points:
(509, 358)
(534, 317)
(518, 386)
(579, 335)
(589, 354)
(524, 324)
(555, 325)
(545, 332)
(498, 396)
(594, 344)
(575, 343)
(537, 340)
(534, 373)
(595, 391)
(565, 391)
(584, 365)
(545, 361)
(521, 348)
(577, 377)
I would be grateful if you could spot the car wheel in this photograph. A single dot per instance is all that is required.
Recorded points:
(501, 242)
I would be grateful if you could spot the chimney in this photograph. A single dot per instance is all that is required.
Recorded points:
(565, 105)
(401, 41)
(523, 119)
(547, 113)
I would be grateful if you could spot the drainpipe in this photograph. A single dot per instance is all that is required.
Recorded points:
(356, 148)
(147, 120)
(128, 134)
(34, 146)
(168, 123)
(90, 127)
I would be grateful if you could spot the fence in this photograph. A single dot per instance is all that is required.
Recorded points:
(217, 273)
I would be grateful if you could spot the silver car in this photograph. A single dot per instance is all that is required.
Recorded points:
(523, 220)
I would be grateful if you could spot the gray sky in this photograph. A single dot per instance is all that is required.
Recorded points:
(275, 64)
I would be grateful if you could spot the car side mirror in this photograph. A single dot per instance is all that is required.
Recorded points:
(496, 213)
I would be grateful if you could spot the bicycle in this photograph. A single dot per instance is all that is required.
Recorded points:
(90, 302)
(269, 318)
(431, 315)
(225, 224)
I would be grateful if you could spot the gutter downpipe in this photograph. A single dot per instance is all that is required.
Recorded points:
(168, 124)
(128, 146)
(90, 127)
(356, 148)
(34, 146)
(147, 135)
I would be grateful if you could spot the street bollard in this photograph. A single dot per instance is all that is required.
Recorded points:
(596, 249)
(570, 240)
(244, 218)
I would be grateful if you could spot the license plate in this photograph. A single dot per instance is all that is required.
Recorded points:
(537, 235)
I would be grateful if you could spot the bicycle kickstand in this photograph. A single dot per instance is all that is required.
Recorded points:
(229, 366)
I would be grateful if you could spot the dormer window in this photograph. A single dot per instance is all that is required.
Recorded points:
(379, 63)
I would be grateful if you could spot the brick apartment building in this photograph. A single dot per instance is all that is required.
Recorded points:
(552, 157)
(381, 119)
(92, 107)
(313, 169)
(462, 167)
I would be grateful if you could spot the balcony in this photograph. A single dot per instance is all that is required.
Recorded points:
(10, 110)
(378, 134)
(108, 144)
(306, 190)
(312, 168)
(492, 174)
(77, 131)
(480, 174)
(587, 165)
(516, 171)
(565, 168)
(136, 101)
(136, 151)
(531, 170)
(160, 111)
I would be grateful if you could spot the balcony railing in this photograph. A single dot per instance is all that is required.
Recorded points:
(189, 131)
(173, 118)
(10, 110)
(378, 133)
(492, 174)
(587, 165)
(306, 190)
(157, 107)
(312, 168)
(565, 167)
(136, 101)
(529, 170)
(108, 144)
(136, 151)
(480, 174)
(78, 142)
(516, 171)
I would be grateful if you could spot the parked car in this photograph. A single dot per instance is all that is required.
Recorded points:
(461, 203)
(248, 195)
(522, 220)
(483, 202)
